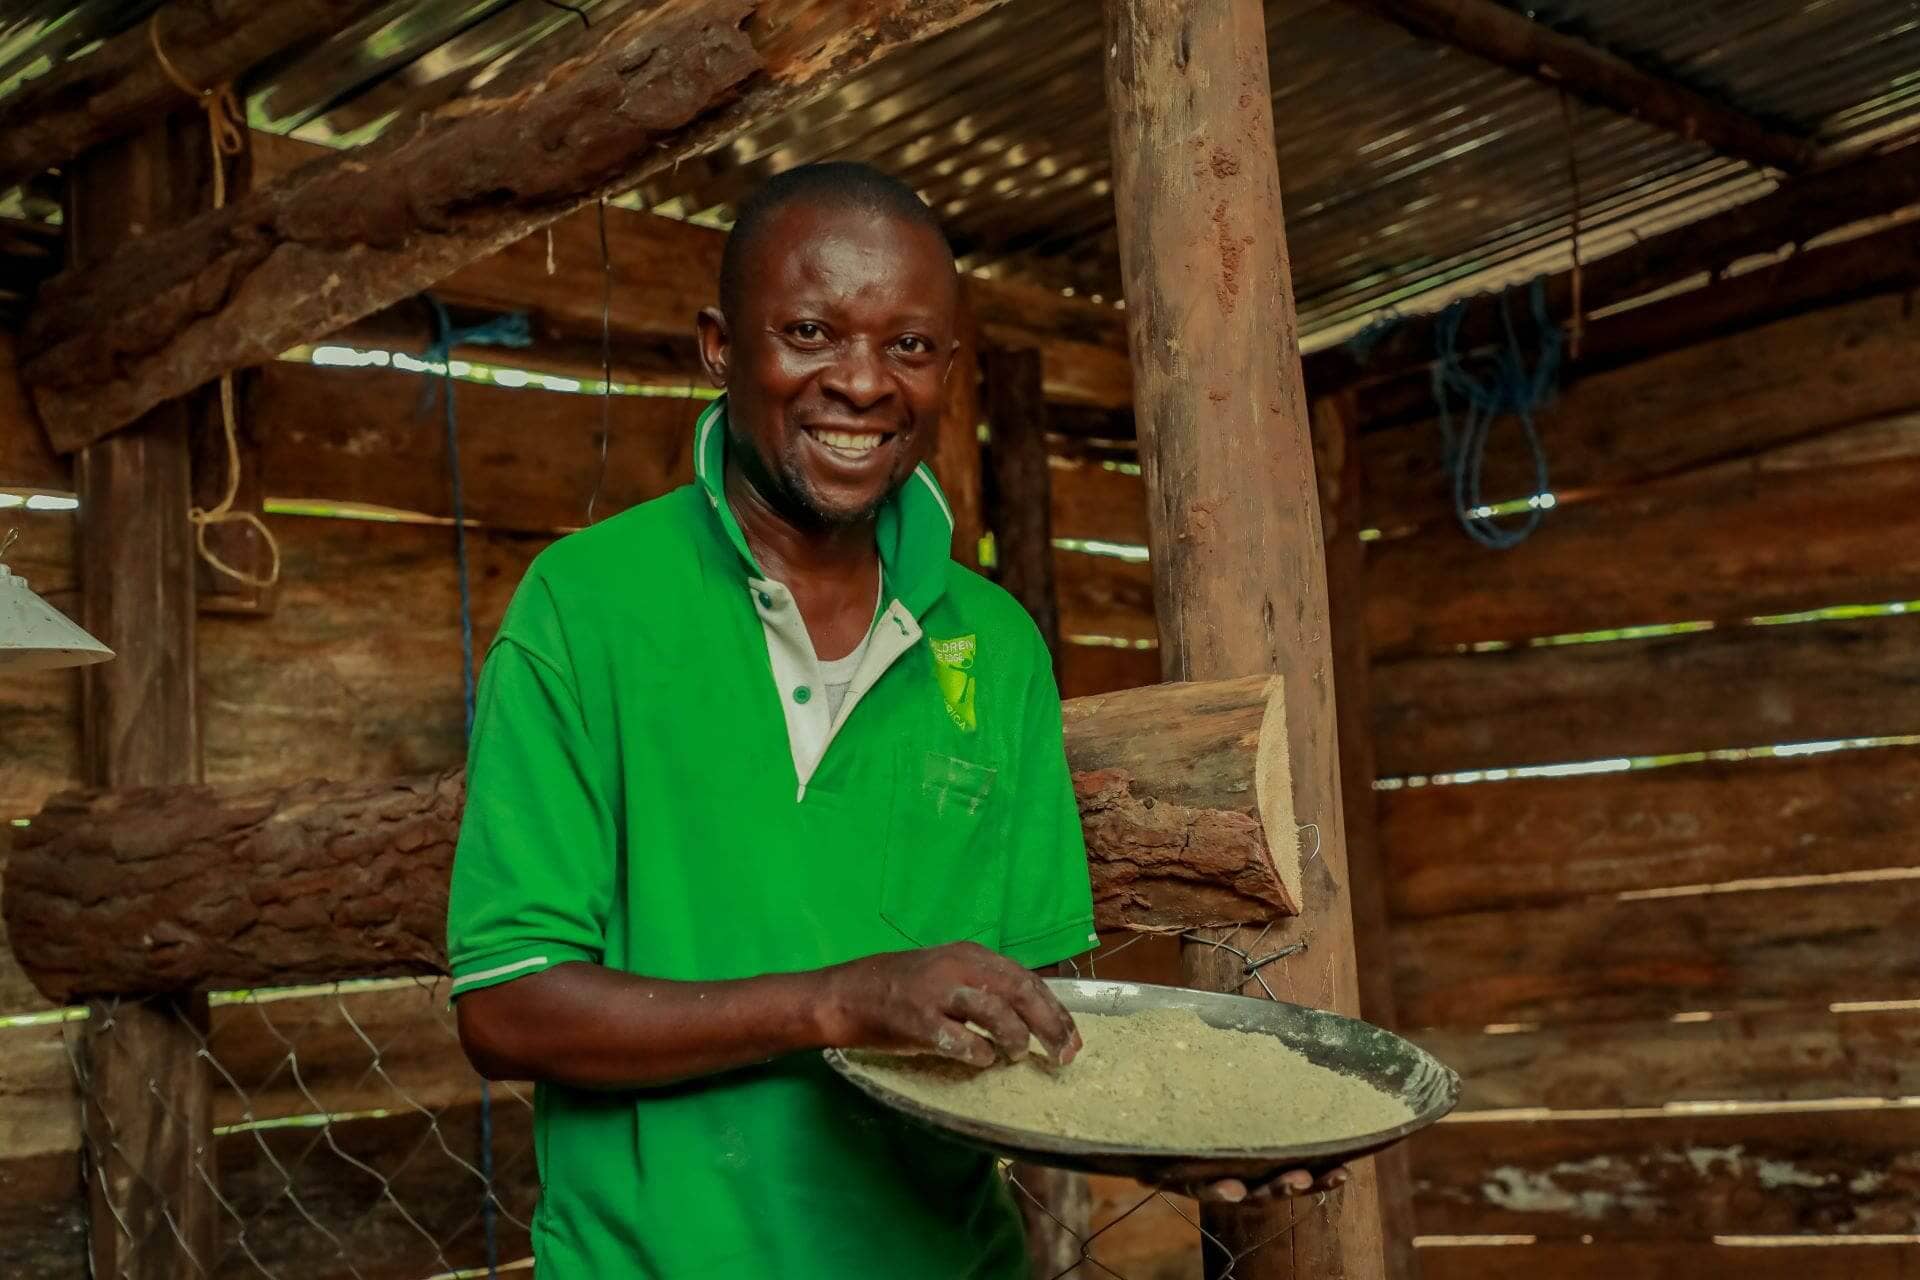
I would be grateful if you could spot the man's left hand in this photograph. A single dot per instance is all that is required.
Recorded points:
(1283, 1186)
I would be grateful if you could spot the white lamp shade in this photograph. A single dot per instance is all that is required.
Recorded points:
(35, 636)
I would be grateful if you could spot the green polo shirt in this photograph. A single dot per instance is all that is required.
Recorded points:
(656, 786)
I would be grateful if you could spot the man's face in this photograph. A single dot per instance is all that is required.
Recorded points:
(835, 365)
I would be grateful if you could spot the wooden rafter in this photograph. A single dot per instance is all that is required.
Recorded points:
(1510, 39)
(356, 232)
(121, 86)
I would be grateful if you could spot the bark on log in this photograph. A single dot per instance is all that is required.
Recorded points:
(120, 87)
(1239, 567)
(348, 235)
(173, 889)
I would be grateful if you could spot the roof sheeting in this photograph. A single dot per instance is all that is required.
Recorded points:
(1407, 166)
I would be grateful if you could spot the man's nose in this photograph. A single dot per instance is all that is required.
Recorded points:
(858, 376)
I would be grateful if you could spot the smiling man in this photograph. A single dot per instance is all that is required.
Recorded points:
(759, 770)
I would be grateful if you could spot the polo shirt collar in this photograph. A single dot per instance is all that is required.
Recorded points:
(914, 531)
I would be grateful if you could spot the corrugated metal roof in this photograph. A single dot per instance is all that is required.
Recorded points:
(1407, 166)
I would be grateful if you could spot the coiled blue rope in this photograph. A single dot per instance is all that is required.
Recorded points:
(503, 331)
(1510, 388)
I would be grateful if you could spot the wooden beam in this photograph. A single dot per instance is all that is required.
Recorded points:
(1656, 1177)
(1614, 561)
(341, 239)
(121, 88)
(146, 1088)
(1817, 1258)
(1021, 515)
(1867, 186)
(1539, 842)
(664, 271)
(1239, 569)
(1653, 956)
(1740, 686)
(1172, 783)
(1336, 439)
(1787, 1055)
(956, 459)
(1513, 40)
(1729, 397)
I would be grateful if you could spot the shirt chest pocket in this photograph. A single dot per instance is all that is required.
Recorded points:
(943, 878)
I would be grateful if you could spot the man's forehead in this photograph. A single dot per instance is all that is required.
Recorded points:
(828, 242)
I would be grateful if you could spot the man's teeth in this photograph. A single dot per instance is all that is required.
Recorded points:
(850, 441)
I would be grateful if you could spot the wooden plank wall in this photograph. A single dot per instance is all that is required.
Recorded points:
(1684, 999)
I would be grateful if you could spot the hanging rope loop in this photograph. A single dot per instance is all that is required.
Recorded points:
(1510, 388)
(226, 133)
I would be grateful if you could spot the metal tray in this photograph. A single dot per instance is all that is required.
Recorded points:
(1344, 1044)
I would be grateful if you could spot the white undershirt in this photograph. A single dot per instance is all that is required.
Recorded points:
(837, 676)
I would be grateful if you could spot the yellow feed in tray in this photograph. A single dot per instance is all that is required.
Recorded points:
(1161, 1079)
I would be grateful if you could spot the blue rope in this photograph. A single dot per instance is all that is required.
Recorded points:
(504, 331)
(1510, 388)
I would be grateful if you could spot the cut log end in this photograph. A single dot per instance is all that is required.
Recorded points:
(1273, 793)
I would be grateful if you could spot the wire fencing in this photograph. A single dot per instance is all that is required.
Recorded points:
(342, 1134)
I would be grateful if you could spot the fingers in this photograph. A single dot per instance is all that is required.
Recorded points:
(1292, 1183)
(1029, 997)
(952, 1039)
(985, 1009)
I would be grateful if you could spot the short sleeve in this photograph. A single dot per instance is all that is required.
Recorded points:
(533, 875)
(1049, 910)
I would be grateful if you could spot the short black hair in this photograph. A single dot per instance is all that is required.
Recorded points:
(842, 183)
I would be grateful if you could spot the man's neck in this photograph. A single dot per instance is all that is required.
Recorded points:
(786, 549)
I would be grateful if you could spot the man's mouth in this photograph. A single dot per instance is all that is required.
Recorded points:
(850, 444)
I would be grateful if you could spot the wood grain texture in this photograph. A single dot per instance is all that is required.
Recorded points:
(1094, 502)
(1814, 1173)
(1177, 784)
(1540, 841)
(955, 456)
(1734, 542)
(26, 460)
(528, 458)
(1087, 669)
(1020, 511)
(1605, 958)
(665, 270)
(351, 235)
(1671, 1260)
(1104, 596)
(1239, 566)
(1737, 686)
(1705, 403)
(1786, 1055)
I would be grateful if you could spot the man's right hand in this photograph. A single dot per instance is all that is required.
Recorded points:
(921, 1002)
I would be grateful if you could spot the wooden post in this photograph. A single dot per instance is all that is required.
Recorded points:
(147, 1103)
(1336, 439)
(1021, 512)
(956, 454)
(1238, 565)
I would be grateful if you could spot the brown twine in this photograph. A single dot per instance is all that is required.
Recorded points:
(226, 126)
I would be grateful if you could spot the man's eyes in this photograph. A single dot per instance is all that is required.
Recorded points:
(914, 345)
(807, 331)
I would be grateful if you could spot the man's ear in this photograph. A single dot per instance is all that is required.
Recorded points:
(953, 353)
(716, 344)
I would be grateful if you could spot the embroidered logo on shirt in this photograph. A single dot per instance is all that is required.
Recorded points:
(953, 672)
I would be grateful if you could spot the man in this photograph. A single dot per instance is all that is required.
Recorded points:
(758, 770)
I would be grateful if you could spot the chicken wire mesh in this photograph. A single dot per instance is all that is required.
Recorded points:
(344, 1135)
